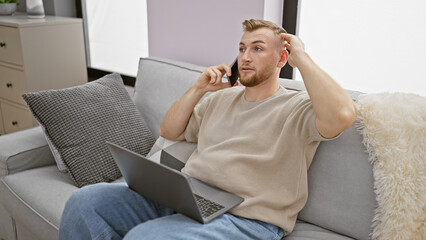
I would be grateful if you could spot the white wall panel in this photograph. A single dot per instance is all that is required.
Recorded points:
(368, 45)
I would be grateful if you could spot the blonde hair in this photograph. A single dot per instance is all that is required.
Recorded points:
(254, 24)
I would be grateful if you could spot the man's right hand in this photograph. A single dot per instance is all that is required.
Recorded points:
(211, 79)
(174, 123)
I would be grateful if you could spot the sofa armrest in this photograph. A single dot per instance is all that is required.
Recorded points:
(24, 150)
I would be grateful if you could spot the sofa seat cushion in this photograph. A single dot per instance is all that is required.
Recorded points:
(36, 198)
(307, 231)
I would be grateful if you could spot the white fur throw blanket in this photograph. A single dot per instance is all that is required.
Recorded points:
(393, 126)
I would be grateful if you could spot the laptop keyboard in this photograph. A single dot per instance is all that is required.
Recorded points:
(207, 207)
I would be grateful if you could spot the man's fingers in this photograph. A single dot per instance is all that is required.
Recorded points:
(218, 76)
(292, 40)
(287, 46)
(286, 37)
(226, 69)
(211, 75)
(215, 74)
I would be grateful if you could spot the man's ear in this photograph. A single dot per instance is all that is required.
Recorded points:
(283, 58)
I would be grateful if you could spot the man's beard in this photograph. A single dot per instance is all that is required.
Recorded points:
(257, 78)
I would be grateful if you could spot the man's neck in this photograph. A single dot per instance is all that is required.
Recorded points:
(262, 91)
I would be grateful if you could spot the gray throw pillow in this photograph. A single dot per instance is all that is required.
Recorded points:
(79, 120)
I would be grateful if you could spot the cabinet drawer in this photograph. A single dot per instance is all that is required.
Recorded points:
(12, 84)
(10, 46)
(15, 118)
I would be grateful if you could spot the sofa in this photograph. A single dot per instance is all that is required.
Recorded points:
(33, 192)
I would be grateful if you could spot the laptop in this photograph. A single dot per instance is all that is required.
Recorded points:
(172, 188)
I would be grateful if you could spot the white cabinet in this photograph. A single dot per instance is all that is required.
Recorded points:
(37, 55)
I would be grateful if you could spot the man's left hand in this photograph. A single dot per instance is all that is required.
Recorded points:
(295, 45)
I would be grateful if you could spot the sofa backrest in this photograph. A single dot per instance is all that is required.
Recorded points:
(341, 196)
(340, 180)
(341, 192)
(159, 84)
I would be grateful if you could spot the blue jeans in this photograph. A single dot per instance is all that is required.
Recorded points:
(113, 211)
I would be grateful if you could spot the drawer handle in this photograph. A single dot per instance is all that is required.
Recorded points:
(2, 44)
(9, 85)
(14, 123)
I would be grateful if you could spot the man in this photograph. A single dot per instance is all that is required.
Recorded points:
(255, 141)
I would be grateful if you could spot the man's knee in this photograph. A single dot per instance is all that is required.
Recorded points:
(90, 196)
(82, 216)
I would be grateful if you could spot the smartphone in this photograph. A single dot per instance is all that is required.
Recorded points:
(234, 70)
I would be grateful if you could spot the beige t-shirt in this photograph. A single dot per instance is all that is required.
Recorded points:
(260, 151)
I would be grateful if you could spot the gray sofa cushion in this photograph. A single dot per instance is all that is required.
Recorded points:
(7, 230)
(307, 231)
(39, 207)
(31, 152)
(80, 119)
(154, 76)
(340, 180)
(341, 196)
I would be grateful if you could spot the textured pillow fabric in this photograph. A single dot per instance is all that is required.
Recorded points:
(79, 120)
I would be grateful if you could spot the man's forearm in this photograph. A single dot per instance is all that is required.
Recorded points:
(334, 108)
(174, 123)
